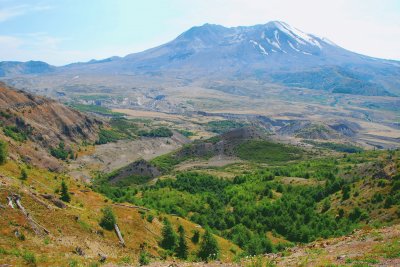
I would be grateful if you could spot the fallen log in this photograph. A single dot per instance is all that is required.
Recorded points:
(121, 240)
(41, 202)
(157, 235)
(10, 202)
(58, 203)
(131, 206)
(36, 227)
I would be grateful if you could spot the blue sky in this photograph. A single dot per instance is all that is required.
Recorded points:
(65, 31)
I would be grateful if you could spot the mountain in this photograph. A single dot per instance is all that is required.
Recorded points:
(15, 68)
(274, 52)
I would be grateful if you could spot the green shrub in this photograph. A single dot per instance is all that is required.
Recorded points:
(108, 220)
(196, 236)
(264, 151)
(15, 133)
(3, 152)
(209, 249)
(150, 218)
(29, 258)
(158, 132)
(65, 196)
(60, 152)
(223, 126)
(109, 136)
(144, 258)
(24, 175)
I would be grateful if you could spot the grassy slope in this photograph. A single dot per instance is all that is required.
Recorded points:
(76, 225)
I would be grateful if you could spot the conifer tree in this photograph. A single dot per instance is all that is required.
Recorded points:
(108, 220)
(182, 249)
(209, 249)
(3, 152)
(169, 238)
(64, 192)
(24, 175)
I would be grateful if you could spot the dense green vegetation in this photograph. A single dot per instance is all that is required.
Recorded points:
(337, 147)
(15, 133)
(5, 114)
(186, 133)
(182, 249)
(125, 127)
(253, 204)
(108, 136)
(3, 152)
(158, 132)
(209, 249)
(61, 152)
(169, 239)
(166, 162)
(120, 129)
(223, 126)
(264, 151)
(246, 207)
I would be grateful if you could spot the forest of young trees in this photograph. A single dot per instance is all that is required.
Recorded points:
(245, 208)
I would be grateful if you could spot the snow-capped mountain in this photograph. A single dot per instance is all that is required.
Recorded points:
(271, 46)
(273, 52)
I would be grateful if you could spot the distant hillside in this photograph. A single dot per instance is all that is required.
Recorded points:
(16, 68)
(47, 121)
(35, 126)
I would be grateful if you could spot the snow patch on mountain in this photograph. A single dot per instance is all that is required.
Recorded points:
(294, 48)
(299, 36)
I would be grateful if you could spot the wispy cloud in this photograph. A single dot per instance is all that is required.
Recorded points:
(44, 47)
(10, 12)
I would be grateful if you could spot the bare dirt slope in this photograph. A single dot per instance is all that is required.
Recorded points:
(48, 121)
(111, 156)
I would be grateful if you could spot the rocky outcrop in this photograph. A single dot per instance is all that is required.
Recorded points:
(141, 169)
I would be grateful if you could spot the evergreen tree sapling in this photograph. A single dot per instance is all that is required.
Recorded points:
(24, 175)
(169, 237)
(108, 220)
(209, 249)
(182, 249)
(196, 236)
(64, 192)
(3, 152)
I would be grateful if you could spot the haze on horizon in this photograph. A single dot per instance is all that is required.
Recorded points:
(71, 31)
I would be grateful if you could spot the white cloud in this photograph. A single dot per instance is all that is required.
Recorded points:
(10, 12)
(43, 47)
